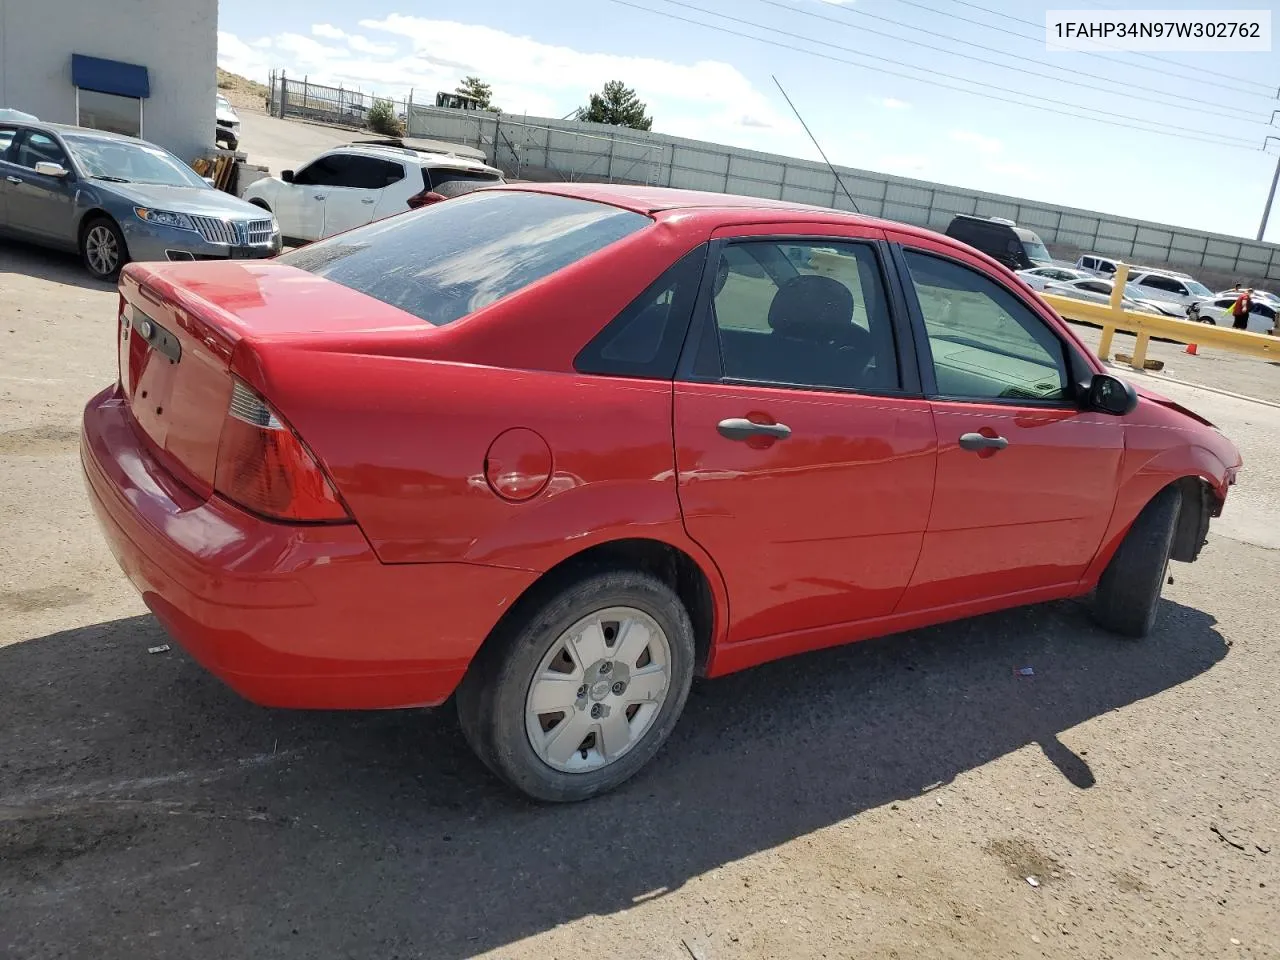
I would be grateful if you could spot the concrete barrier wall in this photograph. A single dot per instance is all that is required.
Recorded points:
(544, 148)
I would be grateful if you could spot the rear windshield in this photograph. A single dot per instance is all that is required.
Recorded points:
(454, 183)
(450, 259)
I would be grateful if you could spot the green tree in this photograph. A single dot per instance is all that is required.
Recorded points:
(616, 104)
(475, 87)
(382, 119)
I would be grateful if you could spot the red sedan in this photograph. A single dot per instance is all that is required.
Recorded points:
(554, 451)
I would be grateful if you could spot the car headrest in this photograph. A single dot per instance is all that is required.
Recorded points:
(814, 308)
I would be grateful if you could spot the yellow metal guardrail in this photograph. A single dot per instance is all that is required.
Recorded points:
(1145, 326)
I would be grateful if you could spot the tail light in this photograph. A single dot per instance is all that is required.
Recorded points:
(264, 467)
(425, 198)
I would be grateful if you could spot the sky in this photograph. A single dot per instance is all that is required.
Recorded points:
(961, 92)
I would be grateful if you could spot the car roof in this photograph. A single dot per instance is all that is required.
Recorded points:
(62, 129)
(736, 208)
(424, 157)
(651, 200)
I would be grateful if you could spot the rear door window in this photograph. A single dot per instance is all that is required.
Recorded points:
(7, 135)
(371, 173)
(811, 314)
(1157, 282)
(452, 259)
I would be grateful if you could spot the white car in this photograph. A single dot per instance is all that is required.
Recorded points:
(1098, 290)
(1262, 315)
(1037, 277)
(228, 122)
(1166, 287)
(355, 184)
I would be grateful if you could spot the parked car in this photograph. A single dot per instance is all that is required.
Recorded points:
(1097, 290)
(1037, 277)
(228, 124)
(116, 198)
(553, 450)
(356, 184)
(1262, 314)
(1002, 240)
(1270, 299)
(1101, 266)
(9, 115)
(1169, 287)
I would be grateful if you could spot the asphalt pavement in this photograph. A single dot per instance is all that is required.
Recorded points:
(895, 798)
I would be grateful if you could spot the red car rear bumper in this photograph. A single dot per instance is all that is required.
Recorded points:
(287, 615)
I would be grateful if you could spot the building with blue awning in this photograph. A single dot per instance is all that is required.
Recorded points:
(141, 67)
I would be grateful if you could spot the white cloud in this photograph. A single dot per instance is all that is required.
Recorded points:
(705, 100)
(242, 58)
(892, 103)
(983, 144)
(364, 45)
(839, 3)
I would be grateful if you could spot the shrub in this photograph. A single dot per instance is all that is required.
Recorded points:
(383, 120)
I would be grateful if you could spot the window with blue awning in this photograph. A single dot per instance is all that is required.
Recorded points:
(110, 76)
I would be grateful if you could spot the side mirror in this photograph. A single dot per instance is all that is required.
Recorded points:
(286, 176)
(210, 181)
(1108, 394)
(46, 169)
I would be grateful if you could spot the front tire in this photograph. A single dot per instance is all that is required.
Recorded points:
(102, 248)
(575, 694)
(1129, 590)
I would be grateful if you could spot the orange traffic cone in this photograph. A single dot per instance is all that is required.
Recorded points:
(1191, 349)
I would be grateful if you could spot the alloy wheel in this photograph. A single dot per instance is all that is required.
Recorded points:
(102, 250)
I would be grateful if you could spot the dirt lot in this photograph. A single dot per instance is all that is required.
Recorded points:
(885, 800)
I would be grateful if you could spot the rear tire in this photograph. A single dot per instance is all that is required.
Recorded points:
(607, 661)
(1128, 594)
(102, 248)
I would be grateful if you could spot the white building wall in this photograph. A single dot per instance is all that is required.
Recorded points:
(176, 40)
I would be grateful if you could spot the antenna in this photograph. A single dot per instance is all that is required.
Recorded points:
(816, 144)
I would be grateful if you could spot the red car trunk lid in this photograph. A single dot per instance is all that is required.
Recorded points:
(184, 329)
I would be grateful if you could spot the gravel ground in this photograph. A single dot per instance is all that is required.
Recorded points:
(889, 799)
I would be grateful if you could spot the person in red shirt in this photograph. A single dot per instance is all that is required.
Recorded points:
(1240, 310)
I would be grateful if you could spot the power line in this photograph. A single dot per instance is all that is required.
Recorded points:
(1171, 131)
(1217, 110)
(1013, 33)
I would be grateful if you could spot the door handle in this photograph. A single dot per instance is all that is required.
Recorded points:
(318, 196)
(367, 200)
(14, 179)
(976, 441)
(740, 428)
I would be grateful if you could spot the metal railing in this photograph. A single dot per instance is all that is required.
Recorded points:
(1112, 317)
(325, 104)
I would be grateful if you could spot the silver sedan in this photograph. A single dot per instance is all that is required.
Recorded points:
(114, 199)
(1037, 277)
(1097, 290)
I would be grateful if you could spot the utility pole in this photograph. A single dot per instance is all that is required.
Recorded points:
(1271, 194)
